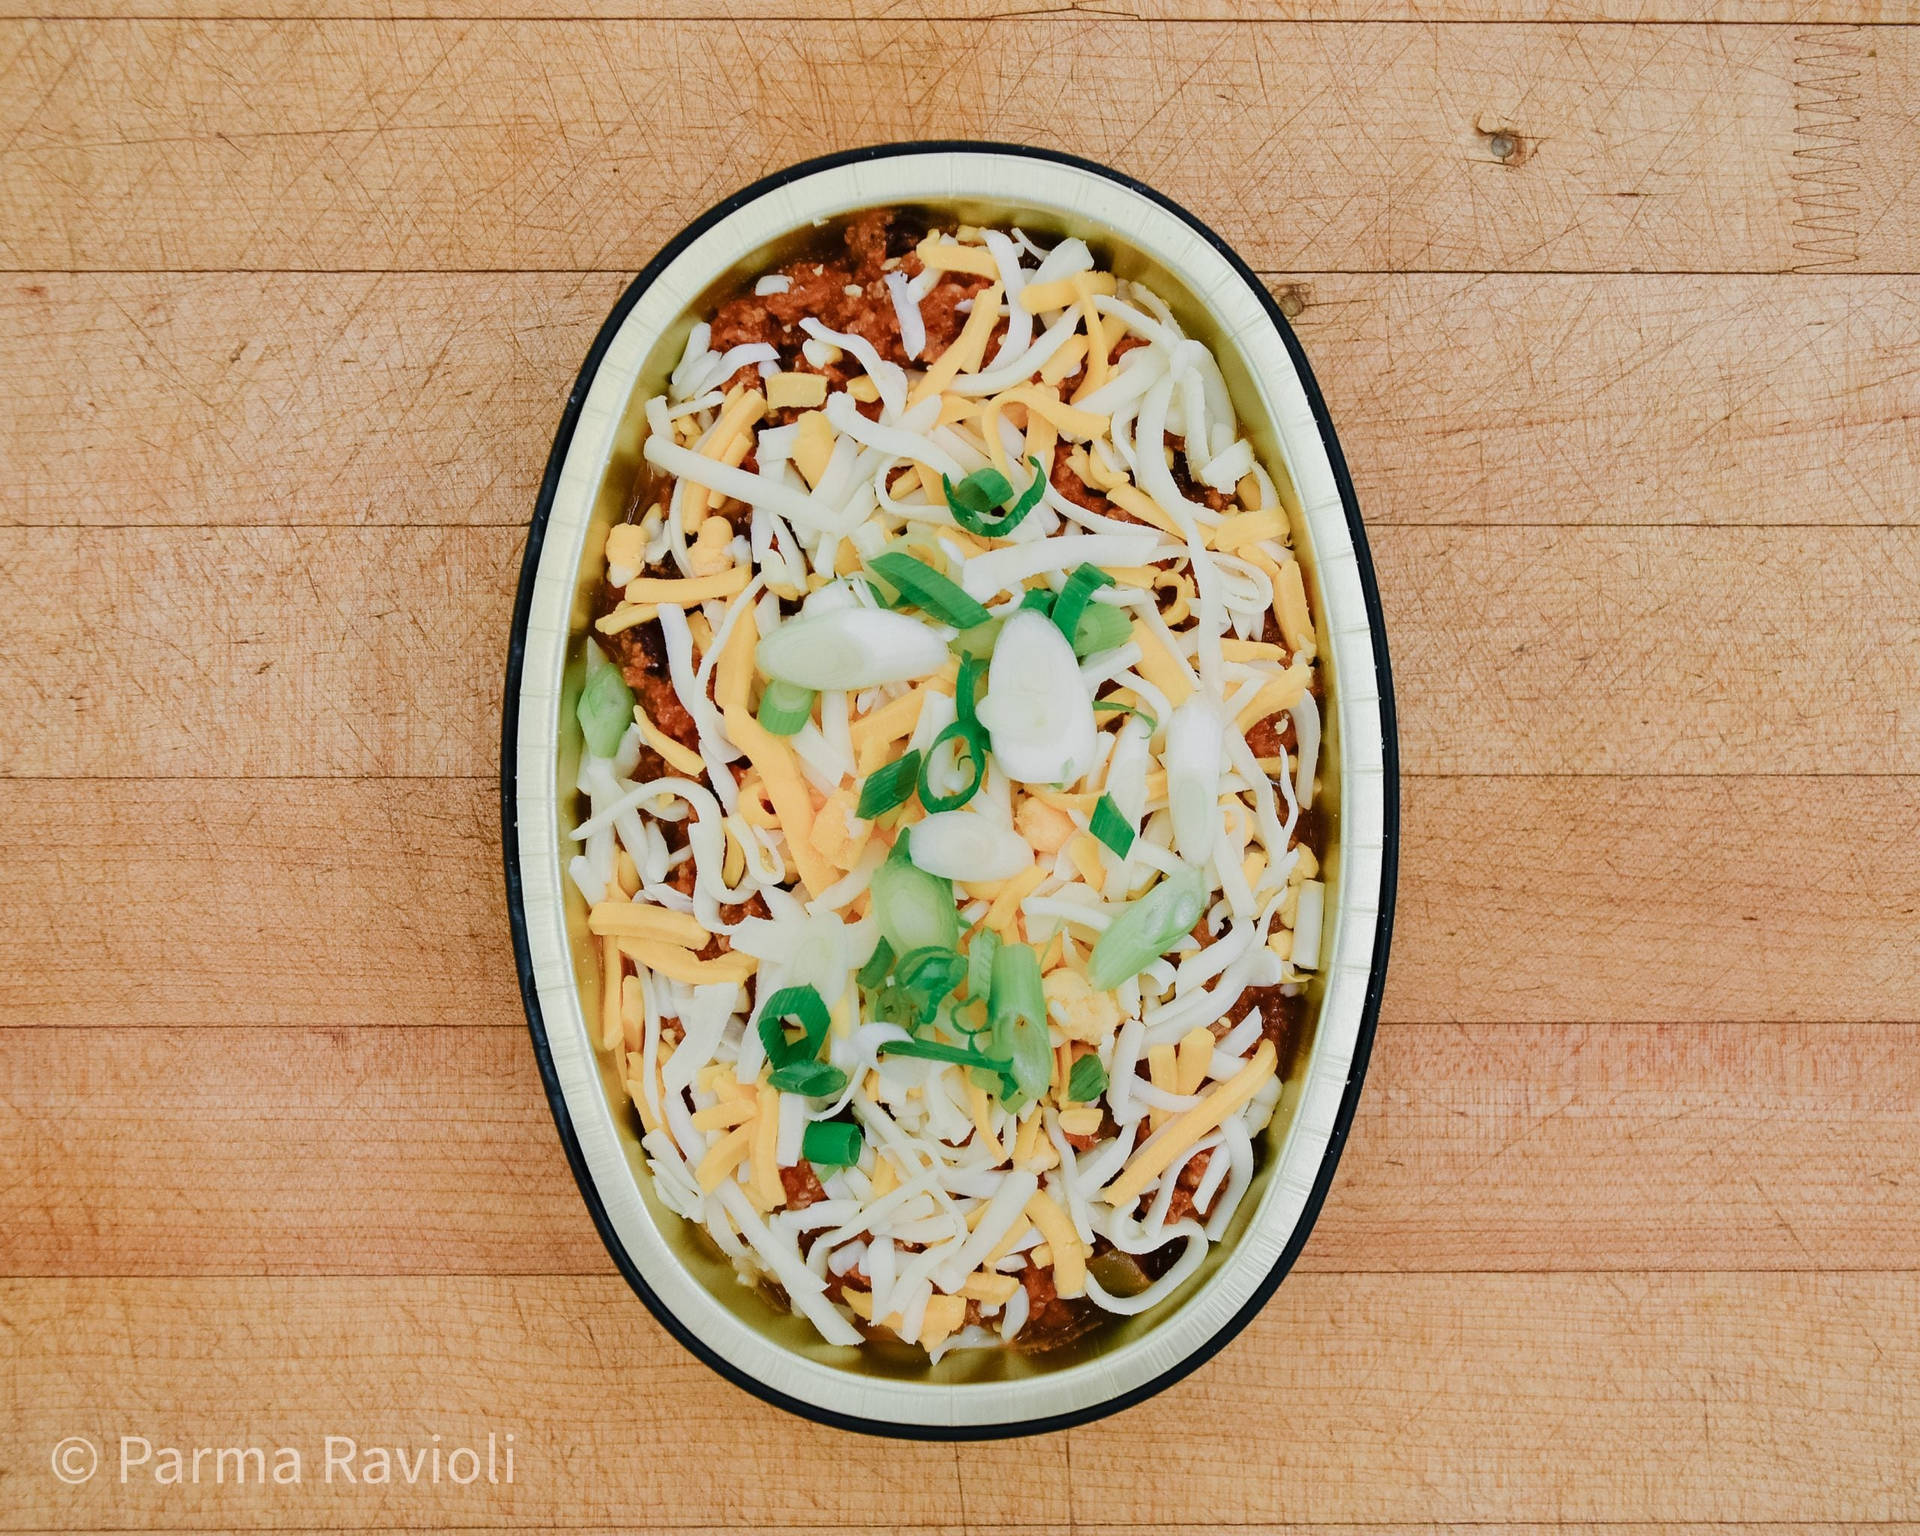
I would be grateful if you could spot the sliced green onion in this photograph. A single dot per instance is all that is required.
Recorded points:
(924, 587)
(887, 787)
(966, 696)
(851, 648)
(785, 707)
(1147, 929)
(980, 953)
(1038, 708)
(804, 1005)
(937, 1050)
(914, 909)
(1112, 705)
(1073, 598)
(1100, 628)
(1039, 599)
(981, 492)
(810, 1079)
(831, 1143)
(953, 1021)
(1110, 825)
(925, 977)
(1030, 497)
(967, 730)
(1087, 1081)
(605, 710)
(974, 741)
(974, 499)
(977, 641)
(887, 1006)
(878, 965)
(966, 846)
(884, 595)
(1017, 1014)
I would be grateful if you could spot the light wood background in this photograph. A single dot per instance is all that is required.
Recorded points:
(1628, 1235)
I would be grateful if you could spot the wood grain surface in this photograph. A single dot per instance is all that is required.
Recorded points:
(1379, 1398)
(1342, 147)
(402, 398)
(1616, 304)
(1717, 1146)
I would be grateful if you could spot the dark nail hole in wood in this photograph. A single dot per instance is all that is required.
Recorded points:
(1507, 145)
(1292, 298)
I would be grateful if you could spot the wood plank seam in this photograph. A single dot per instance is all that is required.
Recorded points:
(1062, 9)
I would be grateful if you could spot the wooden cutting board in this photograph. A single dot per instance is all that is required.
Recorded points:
(1617, 317)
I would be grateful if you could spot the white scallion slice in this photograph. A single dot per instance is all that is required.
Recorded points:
(851, 648)
(1038, 712)
(964, 845)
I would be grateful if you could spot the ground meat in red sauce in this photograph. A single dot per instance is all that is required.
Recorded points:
(868, 242)
(802, 1185)
(1193, 490)
(641, 655)
(818, 286)
(1052, 1319)
(1279, 1017)
(1267, 737)
(1070, 385)
(940, 313)
(1181, 1206)
(682, 877)
(1077, 491)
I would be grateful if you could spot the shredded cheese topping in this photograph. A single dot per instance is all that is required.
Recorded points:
(734, 839)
